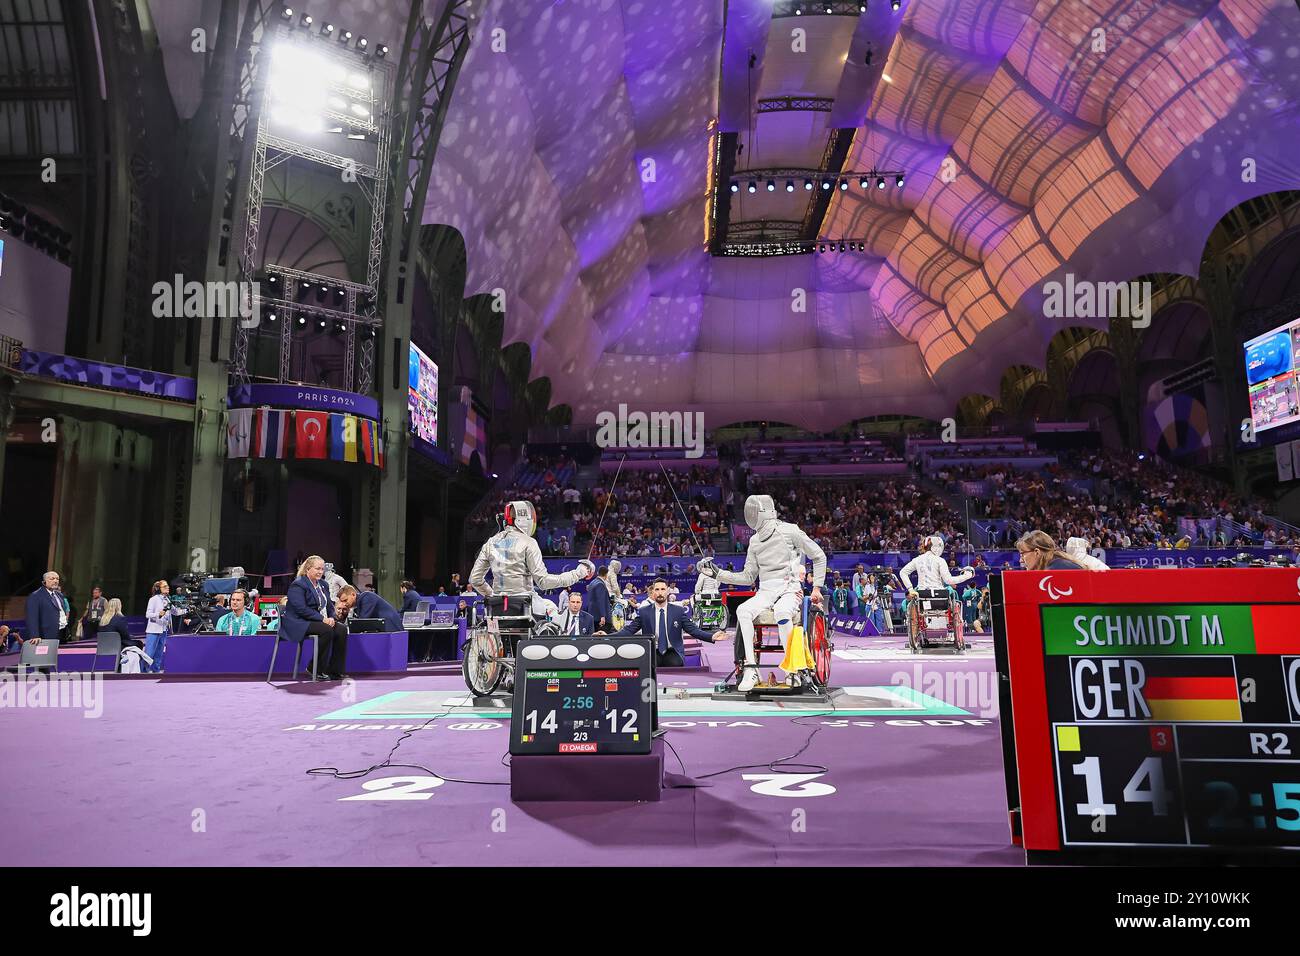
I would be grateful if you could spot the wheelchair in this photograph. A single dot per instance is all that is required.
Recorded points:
(934, 620)
(709, 611)
(488, 654)
(817, 644)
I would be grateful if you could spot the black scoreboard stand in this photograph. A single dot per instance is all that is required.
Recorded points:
(584, 721)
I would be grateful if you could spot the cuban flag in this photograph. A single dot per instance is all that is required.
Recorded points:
(271, 434)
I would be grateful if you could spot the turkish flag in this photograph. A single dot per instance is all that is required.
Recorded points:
(310, 434)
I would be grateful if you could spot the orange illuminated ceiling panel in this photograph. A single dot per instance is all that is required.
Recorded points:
(1082, 197)
(1246, 16)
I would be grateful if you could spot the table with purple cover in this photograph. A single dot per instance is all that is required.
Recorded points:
(222, 654)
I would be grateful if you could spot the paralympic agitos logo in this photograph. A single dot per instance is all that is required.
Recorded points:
(1052, 590)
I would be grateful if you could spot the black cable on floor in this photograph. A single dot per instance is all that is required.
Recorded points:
(387, 763)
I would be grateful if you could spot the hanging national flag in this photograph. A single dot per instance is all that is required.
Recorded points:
(270, 434)
(343, 437)
(238, 429)
(311, 434)
(367, 441)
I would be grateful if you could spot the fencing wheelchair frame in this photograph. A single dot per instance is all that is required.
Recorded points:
(934, 619)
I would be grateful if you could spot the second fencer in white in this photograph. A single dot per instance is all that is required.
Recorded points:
(931, 570)
(774, 558)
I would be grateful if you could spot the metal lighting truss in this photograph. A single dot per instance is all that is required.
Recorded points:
(357, 376)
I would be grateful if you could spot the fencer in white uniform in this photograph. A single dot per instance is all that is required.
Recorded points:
(775, 558)
(1077, 548)
(515, 560)
(931, 570)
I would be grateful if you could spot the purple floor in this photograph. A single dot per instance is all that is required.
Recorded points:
(186, 772)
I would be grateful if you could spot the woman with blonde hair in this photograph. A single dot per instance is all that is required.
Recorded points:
(308, 612)
(113, 620)
(1038, 552)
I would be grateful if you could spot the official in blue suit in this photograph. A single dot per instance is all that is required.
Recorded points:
(573, 621)
(368, 604)
(308, 611)
(665, 622)
(44, 609)
(411, 598)
(598, 602)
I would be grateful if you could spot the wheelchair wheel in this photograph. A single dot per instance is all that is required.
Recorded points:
(820, 647)
(481, 664)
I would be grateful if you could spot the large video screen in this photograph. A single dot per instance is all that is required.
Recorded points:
(422, 396)
(1271, 376)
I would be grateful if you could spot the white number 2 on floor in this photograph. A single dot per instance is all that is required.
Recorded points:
(788, 784)
(398, 788)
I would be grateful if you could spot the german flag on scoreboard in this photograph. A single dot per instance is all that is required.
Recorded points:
(1191, 689)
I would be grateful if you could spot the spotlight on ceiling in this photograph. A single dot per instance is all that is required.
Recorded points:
(326, 29)
(322, 323)
(862, 8)
(789, 185)
(895, 4)
(807, 184)
(306, 20)
(863, 182)
(382, 51)
(361, 43)
(771, 186)
(752, 186)
(735, 187)
(828, 8)
(302, 320)
(880, 182)
(822, 247)
(841, 247)
(798, 9)
(844, 184)
(286, 13)
(270, 316)
(826, 184)
(898, 180)
(345, 36)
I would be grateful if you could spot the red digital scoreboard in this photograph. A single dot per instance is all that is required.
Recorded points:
(1150, 710)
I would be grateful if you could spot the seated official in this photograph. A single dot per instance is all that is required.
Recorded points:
(665, 623)
(1038, 552)
(411, 598)
(238, 621)
(573, 620)
(113, 620)
(307, 612)
(355, 604)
